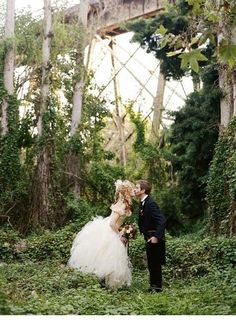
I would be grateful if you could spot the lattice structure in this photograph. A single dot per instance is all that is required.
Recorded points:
(106, 20)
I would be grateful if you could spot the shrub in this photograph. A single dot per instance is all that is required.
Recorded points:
(47, 244)
(170, 204)
(189, 256)
(4, 309)
(8, 239)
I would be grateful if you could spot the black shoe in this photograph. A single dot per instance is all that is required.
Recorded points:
(154, 289)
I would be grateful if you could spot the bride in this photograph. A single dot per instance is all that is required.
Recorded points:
(99, 249)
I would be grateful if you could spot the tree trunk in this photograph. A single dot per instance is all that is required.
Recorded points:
(41, 180)
(234, 92)
(119, 120)
(92, 45)
(40, 189)
(45, 62)
(73, 160)
(79, 86)
(234, 74)
(225, 76)
(77, 107)
(9, 62)
(73, 173)
(158, 108)
(226, 103)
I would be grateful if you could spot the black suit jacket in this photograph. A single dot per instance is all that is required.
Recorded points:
(151, 218)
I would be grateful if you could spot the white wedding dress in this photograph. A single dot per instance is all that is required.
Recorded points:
(98, 249)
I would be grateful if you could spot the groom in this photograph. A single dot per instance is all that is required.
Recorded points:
(152, 225)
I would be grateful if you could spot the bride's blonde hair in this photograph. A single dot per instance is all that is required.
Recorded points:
(123, 192)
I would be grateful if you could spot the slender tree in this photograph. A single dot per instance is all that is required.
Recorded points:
(158, 108)
(9, 62)
(119, 119)
(72, 160)
(45, 62)
(226, 36)
(41, 180)
(79, 84)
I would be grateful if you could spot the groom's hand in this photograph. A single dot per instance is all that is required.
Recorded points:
(153, 240)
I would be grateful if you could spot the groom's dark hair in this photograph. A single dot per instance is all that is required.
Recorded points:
(145, 185)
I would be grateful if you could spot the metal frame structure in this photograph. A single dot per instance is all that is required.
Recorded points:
(105, 20)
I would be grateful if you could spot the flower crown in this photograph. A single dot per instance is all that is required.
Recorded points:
(120, 185)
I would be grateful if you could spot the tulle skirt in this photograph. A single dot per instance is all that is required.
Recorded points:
(97, 249)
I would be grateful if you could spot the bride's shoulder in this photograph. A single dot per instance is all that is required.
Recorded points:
(118, 207)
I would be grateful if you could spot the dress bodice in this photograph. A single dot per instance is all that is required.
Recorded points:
(118, 213)
(117, 221)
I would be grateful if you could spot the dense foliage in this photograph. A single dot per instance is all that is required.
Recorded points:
(184, 39)
(31, 274)
(22, 149)
(152, 163)
(192, 138)
(151, 34)
(221, 188)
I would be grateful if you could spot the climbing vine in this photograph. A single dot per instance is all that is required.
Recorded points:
(9, 147)
(153, 165)
(221, 188)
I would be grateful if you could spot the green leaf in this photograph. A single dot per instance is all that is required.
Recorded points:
(194, 40)
(161, 30)
(196, 4)
(178, 44)
(191, 59)
(213, 17)
(184, 60)
(227, 53)
(199, 56)
(163, 43)
(194, 65)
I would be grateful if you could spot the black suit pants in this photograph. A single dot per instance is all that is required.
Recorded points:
(154, 264)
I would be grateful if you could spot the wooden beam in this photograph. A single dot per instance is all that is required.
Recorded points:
(109, 16)
(118, 71)
(117, 29)
(123, 64)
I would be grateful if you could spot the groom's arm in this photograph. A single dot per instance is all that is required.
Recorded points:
(158, 219)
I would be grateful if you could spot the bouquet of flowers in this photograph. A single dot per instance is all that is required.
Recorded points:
(128, 231)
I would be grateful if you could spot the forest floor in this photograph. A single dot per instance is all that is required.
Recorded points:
(49, 287)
